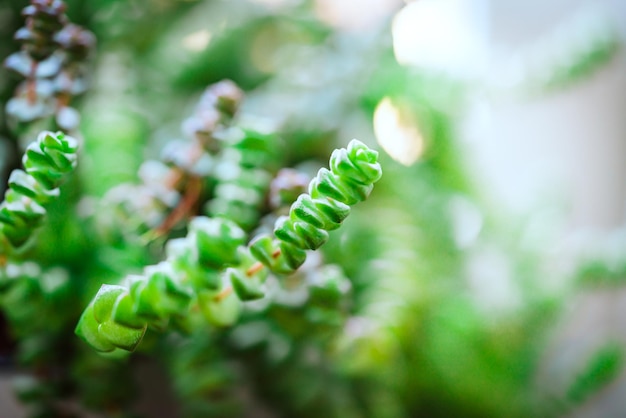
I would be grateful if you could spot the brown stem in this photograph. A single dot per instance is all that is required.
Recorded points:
(63, 100)
(184, 207)
(197, 151)
(4, 249)
(31, 90)
(223, 294)
(173, 178)
(253, 269)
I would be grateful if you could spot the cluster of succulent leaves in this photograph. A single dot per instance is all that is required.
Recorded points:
(212, 268)
(184, 251)
(52, 62)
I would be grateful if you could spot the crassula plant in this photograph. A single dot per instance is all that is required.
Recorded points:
(179, 228)
(235, 229)
(217, 264)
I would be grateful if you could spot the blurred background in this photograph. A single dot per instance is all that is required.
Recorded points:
(488, 266)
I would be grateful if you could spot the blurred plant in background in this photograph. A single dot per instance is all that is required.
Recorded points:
(428, 301)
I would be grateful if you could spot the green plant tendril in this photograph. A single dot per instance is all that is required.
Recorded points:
(47, 162)
(210, 267)
(353, 172)
(243, 178)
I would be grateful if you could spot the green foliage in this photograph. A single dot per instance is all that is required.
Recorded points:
(587, 56)
(352, 174)
(47, 162)
(52, 62)
(193, 270)
(601, 369)
(223, 257)
(243, 177)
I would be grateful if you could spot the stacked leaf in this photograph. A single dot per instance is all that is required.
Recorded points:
(52, 60)
(47, 162)
(243, 176)
(210, 267)
(171, 187)
(353, 172)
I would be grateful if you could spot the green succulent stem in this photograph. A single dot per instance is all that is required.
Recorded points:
(212, 268)
(247, 163)
(47, 163)
(353, 172)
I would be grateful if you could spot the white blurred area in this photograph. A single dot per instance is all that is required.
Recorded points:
(448, 36)
(355, 15)
(556, 159)
(564, 148)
